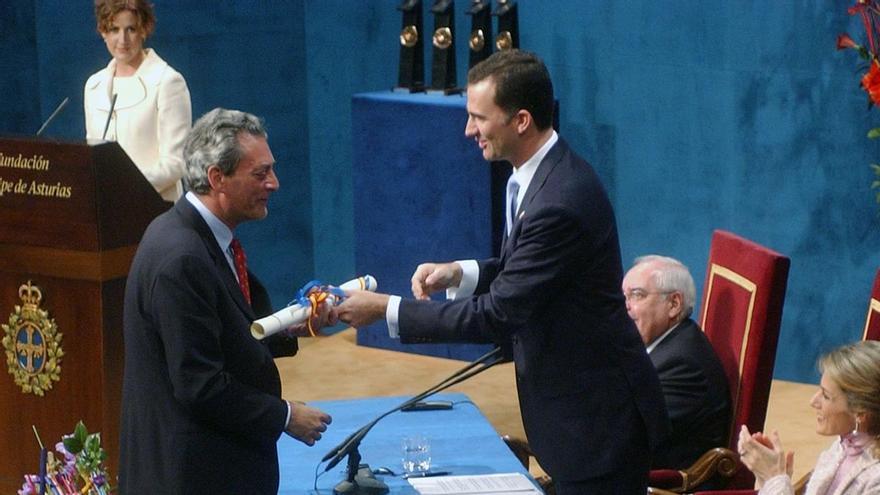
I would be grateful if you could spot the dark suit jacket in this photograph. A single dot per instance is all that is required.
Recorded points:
(201, 406)
(696, 393)
(589, 397)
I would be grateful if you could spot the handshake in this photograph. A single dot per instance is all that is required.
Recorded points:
(361, 308)
(313, 302)
(355, 302)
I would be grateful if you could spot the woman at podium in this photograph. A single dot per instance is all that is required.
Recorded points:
(138, 100)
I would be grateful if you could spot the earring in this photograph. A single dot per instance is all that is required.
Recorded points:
(856, 430)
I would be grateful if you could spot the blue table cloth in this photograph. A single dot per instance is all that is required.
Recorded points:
(462, 441)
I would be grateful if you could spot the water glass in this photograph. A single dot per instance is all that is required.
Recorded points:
(416, 454)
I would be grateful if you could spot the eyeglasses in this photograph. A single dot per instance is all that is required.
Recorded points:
(638, 294)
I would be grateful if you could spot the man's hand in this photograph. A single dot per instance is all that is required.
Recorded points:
(307, 423)
(433, 277)
(361, 307)
(322, 317)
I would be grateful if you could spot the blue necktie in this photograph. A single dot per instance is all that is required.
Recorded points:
(512, 192)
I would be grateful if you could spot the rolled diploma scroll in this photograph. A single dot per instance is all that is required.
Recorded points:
(297, 313)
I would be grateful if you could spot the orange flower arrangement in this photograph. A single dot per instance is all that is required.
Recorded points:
(870, 82)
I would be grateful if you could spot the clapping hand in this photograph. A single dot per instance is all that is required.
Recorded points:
(764, 456)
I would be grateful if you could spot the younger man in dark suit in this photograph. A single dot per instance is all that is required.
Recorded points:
(660, 297)
(590, 399)
(201, 405)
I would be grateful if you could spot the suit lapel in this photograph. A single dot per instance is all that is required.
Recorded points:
(192, 216)
(664, 347)
(545, 168)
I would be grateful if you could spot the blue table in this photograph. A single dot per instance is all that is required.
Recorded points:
(462, 442)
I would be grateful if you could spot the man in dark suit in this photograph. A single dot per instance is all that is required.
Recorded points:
(660, 297)
(201, 406)
(590, 399)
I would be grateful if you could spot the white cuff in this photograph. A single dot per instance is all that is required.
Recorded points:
(470, 275)
(391, 316)
(781, 483)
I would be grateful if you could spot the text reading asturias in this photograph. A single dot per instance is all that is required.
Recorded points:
(34, 188)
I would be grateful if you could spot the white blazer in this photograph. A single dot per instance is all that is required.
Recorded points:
(150, 121)
(862, 479)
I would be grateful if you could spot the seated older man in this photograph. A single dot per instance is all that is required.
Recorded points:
(659, 295)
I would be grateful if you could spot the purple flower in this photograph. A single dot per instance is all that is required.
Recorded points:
(29, 487)
(68, 457)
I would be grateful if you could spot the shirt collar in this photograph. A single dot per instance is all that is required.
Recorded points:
(523, 175)
(660, 338)
(854, 443)
(221, 231)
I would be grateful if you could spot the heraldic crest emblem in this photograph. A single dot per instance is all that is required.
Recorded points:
(32, 343)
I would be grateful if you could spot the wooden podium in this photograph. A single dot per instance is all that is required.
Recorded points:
(71, 216)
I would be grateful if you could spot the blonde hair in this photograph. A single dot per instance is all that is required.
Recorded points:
(855, 368)
(106, 10)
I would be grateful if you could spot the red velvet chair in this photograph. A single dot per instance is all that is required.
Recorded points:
(741, 313)
(872, 321)
(871, 332)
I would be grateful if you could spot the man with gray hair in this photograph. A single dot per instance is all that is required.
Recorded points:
(660, 295)
(201, 405)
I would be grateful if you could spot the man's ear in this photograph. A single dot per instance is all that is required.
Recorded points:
(523, 120)
(215, 177)
(676, 304)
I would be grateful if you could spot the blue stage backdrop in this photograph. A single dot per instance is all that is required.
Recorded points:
(697, 115)
(244, 55)
(422, 193)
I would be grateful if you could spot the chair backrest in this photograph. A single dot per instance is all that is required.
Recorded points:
(872, 321)
(741, 314)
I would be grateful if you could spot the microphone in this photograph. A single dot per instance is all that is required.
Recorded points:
(348, 447)
(109, 115)
(298, 313)
(54, 114)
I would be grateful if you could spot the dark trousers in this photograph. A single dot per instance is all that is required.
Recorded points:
(622, 484)
(628, 479)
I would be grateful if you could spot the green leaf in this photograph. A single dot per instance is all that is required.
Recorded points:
(80, 432)
(93, 442)
(874, 133)
(72, 445)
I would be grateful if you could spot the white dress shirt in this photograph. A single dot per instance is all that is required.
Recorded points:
(470, 269)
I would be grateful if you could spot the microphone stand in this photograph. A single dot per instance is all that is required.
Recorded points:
(54, 114)
(360, 480)
(109, 116)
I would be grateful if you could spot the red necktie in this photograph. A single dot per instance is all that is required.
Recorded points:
(240, 260)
